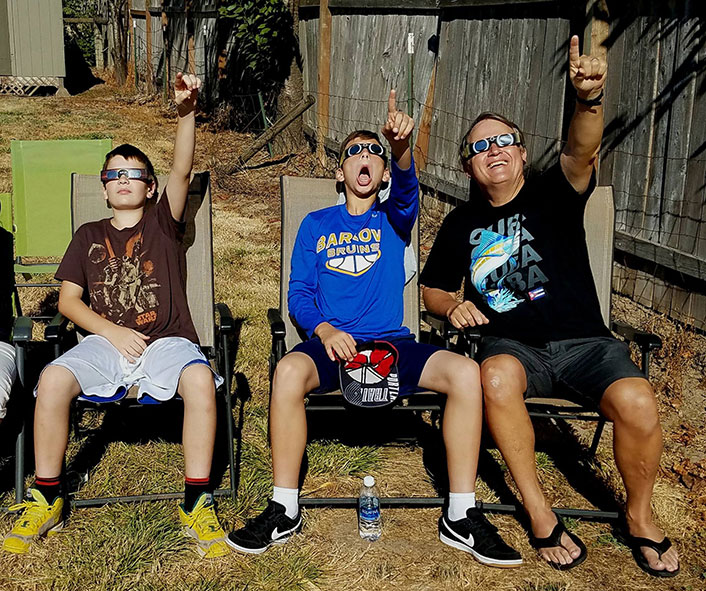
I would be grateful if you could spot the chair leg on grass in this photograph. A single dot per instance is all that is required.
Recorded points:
(596, 438)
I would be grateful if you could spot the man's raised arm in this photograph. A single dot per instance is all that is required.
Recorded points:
(587, 74)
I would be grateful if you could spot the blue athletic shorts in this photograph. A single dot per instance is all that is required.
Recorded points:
(411, 362)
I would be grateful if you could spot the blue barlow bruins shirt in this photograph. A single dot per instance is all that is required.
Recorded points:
(348, 270)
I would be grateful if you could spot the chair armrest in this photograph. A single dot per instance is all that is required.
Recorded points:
(225, 318)
(277, 328)
(56, 328)
(647, 341)
(22, 330)
(440, 324)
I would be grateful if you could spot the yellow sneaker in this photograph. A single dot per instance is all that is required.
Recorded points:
(202, 525)
(38, 518)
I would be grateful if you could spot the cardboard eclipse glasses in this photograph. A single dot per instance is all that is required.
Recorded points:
(113, 174)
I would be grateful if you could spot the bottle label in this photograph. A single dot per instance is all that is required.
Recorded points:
(370, 512)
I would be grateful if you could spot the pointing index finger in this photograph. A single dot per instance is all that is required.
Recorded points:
(391, 103)
(574, 55)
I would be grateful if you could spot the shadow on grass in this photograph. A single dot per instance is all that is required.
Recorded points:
(383, 427)
(556, 441)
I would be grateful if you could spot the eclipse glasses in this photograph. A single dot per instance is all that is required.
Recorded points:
(355, 149)
(114, 174)
(503, 140)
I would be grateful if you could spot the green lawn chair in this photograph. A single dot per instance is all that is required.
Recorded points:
(41, 197)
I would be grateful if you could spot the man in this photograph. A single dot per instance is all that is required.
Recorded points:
(520, 245)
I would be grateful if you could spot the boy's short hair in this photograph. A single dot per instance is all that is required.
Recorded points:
(128, 151)
(489, 115)
(363, 134)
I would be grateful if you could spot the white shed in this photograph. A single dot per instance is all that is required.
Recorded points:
(31, 46)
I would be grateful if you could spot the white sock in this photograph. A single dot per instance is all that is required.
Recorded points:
(289, 497)
(459, 503)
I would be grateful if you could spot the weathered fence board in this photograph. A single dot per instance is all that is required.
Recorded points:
(368, 58)
(309, 43)
(655, 132)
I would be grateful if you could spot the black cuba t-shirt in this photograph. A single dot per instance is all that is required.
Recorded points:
(525, 264)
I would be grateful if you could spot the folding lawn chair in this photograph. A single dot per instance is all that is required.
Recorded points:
(22, 327)
(299, 197)
(599, 223)
(41, 196)
(87, 204)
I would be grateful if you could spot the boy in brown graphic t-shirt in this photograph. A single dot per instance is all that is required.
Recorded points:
(131, 270)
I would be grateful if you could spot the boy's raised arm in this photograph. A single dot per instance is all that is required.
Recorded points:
(186, 90)
(396, 130)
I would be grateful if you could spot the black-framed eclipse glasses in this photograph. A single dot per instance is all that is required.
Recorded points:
(502, 141)
(355, 149)
(113, 174)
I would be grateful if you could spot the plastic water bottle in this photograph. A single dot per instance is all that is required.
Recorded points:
(369, 521)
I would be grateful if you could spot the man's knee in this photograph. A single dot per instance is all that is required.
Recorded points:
(631, 402)
(503, 378)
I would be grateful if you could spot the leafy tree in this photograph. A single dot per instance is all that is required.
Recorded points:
(81, 33)
(262, 44)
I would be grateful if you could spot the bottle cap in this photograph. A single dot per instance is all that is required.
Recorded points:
(369, 481)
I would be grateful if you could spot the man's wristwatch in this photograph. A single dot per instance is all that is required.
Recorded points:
(594, 102)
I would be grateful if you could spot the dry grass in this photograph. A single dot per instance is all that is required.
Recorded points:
(139, 547)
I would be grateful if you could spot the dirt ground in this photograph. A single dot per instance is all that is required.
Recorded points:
(329, 555)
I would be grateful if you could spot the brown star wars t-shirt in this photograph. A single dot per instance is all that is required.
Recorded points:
(134, 277)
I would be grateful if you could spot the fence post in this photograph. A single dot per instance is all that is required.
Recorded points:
(98, 45)
(206, 88)
(165, 58)
(323, 81)
(148, 38)
(134, 50)
(410, 79)
(421, 147)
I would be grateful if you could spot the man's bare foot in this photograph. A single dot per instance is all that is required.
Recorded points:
(564, 550)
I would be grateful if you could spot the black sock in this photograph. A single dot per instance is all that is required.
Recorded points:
(49, 487)
(193, 488)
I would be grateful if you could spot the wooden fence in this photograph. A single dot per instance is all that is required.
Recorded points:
(508, 56)
(457, 71)
(511, 58)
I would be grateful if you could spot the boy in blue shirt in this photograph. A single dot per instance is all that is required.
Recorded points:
(346, 287)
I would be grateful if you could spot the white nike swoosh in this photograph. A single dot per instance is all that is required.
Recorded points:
(469, 540)
(276, 535)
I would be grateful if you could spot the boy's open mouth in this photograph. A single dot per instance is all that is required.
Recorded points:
(364, 177)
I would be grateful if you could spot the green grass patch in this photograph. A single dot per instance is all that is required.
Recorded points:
(332, 458)
(110, 548)
(544, 462)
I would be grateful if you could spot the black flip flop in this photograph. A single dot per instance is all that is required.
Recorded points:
(635, 543)
(554, 540)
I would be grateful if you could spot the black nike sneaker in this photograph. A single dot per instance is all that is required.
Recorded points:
(272, 526)
(476, 535)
